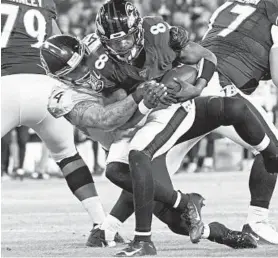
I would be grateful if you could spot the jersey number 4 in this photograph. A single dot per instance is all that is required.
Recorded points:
(30, 18)
(242, 12)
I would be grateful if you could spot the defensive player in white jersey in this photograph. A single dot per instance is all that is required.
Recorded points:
(25, 90)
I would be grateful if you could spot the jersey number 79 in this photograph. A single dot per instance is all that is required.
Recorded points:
(30, 18)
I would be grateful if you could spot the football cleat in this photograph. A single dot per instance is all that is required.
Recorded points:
(192, 216)
(138, 248)
(97, 239)
(262, 231)
(234, 239)
(239, 240)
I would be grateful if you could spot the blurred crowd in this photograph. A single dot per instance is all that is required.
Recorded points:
(77, 18)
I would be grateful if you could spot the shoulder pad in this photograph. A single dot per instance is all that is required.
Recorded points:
(156, 30)
(152, 20)
(92, 42)
(63, 99)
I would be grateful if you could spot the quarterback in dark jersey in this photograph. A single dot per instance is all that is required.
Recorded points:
(84, 108)
(127, 60)
(242, 36)
(25, 89)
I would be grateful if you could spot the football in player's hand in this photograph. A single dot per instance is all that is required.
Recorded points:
(183, 72)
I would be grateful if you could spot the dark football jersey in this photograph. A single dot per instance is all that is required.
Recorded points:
(159, 57)
(240, 36)
(24, 26)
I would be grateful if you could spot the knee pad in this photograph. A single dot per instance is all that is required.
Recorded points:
(116, 171)
(234, 111)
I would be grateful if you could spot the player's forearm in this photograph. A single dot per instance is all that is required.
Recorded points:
(111, 116)
(133, 121)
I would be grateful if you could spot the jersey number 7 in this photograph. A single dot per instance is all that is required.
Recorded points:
(242, 12)
(31, 17)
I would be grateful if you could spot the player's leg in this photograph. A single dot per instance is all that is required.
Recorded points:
(22, 139)
(59, 139)
(10, 98)
(261, 183)
(157, 136)
(233, 111)
(124, 208)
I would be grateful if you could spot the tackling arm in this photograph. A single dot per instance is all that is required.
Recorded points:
(90, 113)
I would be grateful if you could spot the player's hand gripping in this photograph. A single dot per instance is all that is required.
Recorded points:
(186, 90)
(154, 94)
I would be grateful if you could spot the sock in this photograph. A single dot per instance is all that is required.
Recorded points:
(80, 182)
(94, 208)
(111, 226)
(261, 184)
(256, 214)
(180, 201)
(206, 233)
(143, 193)
(208, 162)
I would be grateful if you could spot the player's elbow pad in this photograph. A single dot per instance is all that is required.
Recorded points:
(178, 38)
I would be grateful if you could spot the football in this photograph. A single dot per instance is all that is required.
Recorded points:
(182, 72)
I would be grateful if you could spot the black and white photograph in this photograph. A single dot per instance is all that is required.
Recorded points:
(137, 128)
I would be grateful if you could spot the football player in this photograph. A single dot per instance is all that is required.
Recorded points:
(25, 90)
(103, 127)
(145, 247)
(140, 49)
(243, 36)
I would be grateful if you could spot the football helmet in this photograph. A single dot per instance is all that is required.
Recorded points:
(119, 27)
(65, 57)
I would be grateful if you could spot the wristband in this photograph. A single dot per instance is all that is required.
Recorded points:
(142, 108)
(136, 98)
(207, 69)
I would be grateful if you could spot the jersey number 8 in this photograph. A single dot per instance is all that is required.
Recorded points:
(158, 28)
(100, 63)
(30, 18)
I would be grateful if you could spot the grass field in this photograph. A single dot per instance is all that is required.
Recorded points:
(43, 219)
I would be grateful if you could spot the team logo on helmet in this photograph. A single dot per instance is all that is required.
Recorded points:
(131, 14)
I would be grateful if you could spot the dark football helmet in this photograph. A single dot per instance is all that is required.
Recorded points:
(65, 58)
(119, 27)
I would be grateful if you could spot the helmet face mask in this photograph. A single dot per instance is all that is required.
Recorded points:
(65, 58)
(119, 28)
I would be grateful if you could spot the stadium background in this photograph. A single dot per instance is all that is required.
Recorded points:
(41, 218)
(77, 18)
